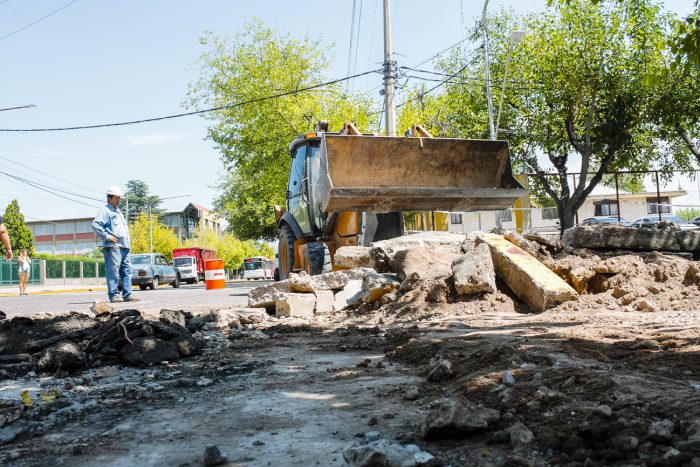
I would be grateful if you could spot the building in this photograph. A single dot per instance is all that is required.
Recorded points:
(76, 237)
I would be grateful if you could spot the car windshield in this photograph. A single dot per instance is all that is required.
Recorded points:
(179, 262)
(140, 259)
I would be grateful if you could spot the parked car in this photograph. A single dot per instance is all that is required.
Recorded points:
(152, 270)
(696, 221)
(605, 220)
(650, 221)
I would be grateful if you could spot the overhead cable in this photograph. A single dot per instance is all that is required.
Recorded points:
(195, 112)
(37, 21)
(50, 175)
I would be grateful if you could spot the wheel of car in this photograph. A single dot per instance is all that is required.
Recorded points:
(176, 282)
(196, 280)
(286, 251)
(316, 258)
(154, 284)
(143, 286)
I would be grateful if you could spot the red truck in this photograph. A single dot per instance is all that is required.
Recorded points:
(190, 263)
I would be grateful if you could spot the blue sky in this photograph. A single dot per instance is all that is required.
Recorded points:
(102, 62)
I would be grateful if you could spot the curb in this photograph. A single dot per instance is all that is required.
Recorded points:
(53, 292)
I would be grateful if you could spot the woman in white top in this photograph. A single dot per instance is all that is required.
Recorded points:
(24, 267)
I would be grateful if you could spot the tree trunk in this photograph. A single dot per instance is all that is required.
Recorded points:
(567, 216)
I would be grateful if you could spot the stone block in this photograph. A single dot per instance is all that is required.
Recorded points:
(375, 285)
(351, 295)
(296, 305)
(267, 295)
(324, 301)
(532, 281)
(473, 273)
(429, 254)
(300, 283)
(352, 257)
(662, 237)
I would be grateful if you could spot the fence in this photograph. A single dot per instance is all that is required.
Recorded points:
(54, 272)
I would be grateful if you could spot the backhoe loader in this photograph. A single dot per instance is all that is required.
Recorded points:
(349, 188)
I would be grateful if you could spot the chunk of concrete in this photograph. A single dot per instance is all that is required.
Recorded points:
(173, 317)
(352, 257)
(296, 305)
(375, 286)
(474, 273)
(452, 418)
(149, 350)
(350, 296)
(335, 280)
(532, 281)
(531, 247)
(300, 283)
(426, 253)
(664, 237)
(324, 301)
(267, 295)
(385, 453)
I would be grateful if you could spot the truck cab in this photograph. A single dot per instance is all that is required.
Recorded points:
(187, 265)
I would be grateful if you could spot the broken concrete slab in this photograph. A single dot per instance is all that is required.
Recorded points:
(300, 283)
(352, 257)
(474, 273)
(267, 295)
(173, 317)
(662, 237)
(149, 350)
(350, 296)
(324, 301)
(376, 285)
(422, 253)
(385, 453)
(452, 418)
(63, 356)
(531, 247)
(336, 280)
(296, 305)
(532, 281)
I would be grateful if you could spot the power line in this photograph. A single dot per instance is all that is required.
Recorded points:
(37, 21)
(40, 187)
(195, 112)
(10, 180)
(50, 175)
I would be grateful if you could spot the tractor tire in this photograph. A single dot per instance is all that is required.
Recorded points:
(286, 251)
(316, 259)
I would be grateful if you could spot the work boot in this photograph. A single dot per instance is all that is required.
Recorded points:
(130, 298)
(116, 298)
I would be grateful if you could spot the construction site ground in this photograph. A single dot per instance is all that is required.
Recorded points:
(595, 381)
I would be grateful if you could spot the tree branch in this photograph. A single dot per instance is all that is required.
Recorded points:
(688, 141)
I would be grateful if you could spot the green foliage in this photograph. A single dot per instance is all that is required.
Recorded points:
(164, 239)
(688, 214)
(139, 199)
(253, 138)
(20, 235)
(87, 258)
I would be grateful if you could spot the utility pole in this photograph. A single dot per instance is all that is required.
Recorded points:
(389, 73)
(487, 72)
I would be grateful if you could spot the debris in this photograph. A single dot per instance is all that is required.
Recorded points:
(352, 257)
(659, 237)
(63, 356)
(427, 254)
(660, 431)
(508, 378)
(383, 453)
(267, 295)
(602, 410)
(26, 398)
(473, 273)
(149, 350)
(520, 435)
(324, 301)
(297, 305)
(375, 285)
(411, 394)
(101, 308)
(204, 382)
(351, 295)
(213, 456)
(441, 370)
(173, 317)
(452, 418)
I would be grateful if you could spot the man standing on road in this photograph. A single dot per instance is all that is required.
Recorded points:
(5, 238)
(111, 227)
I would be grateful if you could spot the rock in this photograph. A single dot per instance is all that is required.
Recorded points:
(267, 295)
(337, 280)
(532, 282)
(297, 305)
(384, 453)
(249, 316)
(646, 305)
(473, 273)
(507, 378)
(427, 254)
(452, 418)
(441, 370)
(660, 431)
(352, 257)
(614, 237)
(148, 350)
(173, 317)
(63, 356)
(625, 443)
(225, 319)
(204, 382)
(692, 275)
(603, 411)
(411, 394)
(213, 456)
(388, 298)
(100, 308)
(520, 435)
(350, 296)
(515, 238)
(300, 283)
(324, 301)
(437, 290)
(372, 436)
(375, 285)
(3, 315)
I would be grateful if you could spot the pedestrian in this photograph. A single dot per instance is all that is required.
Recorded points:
(24, 264)
(5, 239)
(111, 227)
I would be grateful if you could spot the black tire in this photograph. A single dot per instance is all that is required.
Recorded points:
(176, 282)
(154, 285)
(277, 275)
(196, 280)
(286, 251)
(317, 258)
(143, 286)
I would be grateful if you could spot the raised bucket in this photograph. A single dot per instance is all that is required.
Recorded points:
(214, 275)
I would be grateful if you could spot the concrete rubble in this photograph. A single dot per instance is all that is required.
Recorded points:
(658, 237)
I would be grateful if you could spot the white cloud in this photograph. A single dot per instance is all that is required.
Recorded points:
(153, 139)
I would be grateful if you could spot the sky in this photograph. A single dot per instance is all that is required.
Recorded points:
(96, 62)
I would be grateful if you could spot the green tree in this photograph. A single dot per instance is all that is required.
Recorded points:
(164, 239)
(138, 197)
(253, 138)
(20, 235)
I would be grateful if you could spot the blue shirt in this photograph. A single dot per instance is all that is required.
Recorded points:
(110, 221)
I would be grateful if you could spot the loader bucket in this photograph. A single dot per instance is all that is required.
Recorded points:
(383, 174)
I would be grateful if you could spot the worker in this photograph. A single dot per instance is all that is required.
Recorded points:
(111, 227)
(5, 238)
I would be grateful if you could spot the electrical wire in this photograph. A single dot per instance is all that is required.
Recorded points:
(352, 35)
(50, 175)
(40, 187)
(195, 112)
(11, 181)
(49, 187)
(37, 21)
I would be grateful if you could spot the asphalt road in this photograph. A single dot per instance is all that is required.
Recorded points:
(187, 297)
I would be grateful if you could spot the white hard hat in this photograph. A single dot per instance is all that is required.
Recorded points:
(114, 190)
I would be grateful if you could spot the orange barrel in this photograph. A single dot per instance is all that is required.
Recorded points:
(214, 275)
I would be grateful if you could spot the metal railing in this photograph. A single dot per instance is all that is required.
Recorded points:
(54, 272)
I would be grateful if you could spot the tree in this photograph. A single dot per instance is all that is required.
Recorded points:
(164, 239)
(253, 138)
(228, 248)
(138, 197)
(20, 235)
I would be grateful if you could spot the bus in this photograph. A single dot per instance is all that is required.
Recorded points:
(258, 267)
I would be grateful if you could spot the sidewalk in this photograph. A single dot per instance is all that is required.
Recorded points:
(13, 290)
